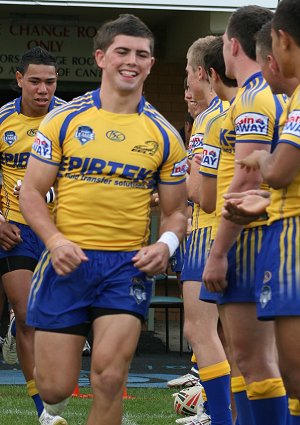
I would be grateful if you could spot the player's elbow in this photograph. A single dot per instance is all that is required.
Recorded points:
(278, 182)
(193, 196)
(208, 205)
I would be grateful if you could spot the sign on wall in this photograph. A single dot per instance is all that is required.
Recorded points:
(71, 44)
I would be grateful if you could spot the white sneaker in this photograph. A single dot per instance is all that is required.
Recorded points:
(46, 419)
(9, 349)
(186, 419)
(204, 419)
(86, 349)
(188, 380)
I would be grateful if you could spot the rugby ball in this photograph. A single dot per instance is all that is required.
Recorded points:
(187, 400)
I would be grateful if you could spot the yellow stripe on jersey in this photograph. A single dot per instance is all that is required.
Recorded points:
(17, 134)
(286, 202)
(109, 165)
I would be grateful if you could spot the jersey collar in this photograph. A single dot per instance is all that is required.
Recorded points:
(252, 77)
(97, 101)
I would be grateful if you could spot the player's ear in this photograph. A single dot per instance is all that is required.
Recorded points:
(151, 64)
(213, 74)
(100, 58)
(235, 46)
(19, 78)
(285, 40)
(273, 65)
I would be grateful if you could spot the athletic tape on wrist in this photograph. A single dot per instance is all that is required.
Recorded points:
(171, 239)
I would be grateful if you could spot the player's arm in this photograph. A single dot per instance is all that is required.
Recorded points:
(154, 258)
(39, 177)
(194, 179)
(278, 168)
(215, 271)
(208, 193)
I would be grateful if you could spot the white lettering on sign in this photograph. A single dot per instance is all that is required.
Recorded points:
(70, 43)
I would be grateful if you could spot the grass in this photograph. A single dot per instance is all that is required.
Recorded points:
(149, 406)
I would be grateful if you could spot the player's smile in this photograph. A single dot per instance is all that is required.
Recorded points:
(127, 62)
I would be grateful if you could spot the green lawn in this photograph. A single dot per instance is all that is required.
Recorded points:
(150, 406)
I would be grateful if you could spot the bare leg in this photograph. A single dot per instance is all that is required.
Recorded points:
(115, 341)
(17, 286)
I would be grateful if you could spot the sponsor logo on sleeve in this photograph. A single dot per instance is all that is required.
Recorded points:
(211, 157)
(252, 123)
(195, 143)
(179, 168)
(42, 146)
(84, 134)
(10, 137)
(292, 124)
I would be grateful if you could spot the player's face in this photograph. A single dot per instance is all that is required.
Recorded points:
(227, 54)
(193, 82)
(126, 63)
(267, 72)
(281, 55)
(38, 85)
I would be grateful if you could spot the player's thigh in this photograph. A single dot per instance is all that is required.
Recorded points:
(17, 287)
(288, 343)
(56, 353)
(115, 338)
(195, 309)
(246, 332)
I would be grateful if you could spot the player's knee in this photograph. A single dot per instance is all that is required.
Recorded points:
(189, 331)
(53, 390)
(109, 382)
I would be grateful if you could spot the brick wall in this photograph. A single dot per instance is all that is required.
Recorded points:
(164, 90)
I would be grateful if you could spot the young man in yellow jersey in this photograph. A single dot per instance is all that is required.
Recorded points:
(200, 317)
(232, 261)
(107, 151)
(20, 248)
(278, 275)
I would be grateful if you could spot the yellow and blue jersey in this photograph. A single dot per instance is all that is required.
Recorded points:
(17, 133)
(200, 219)
(108, 166)
(212, 154)
(286, 201)
(252, 118)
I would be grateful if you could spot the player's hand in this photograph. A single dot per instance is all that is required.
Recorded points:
(243, 208)
(10, 235)
(197, 158)
(251, 162)
(214, 275)
(17, 188)
(154, 200)
(189, 226)
(66, 257)
(152, 259)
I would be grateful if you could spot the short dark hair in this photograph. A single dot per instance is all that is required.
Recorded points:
(287, 18)
(125, 24)
(264, 40)
(213, 58)
(37, 56)
(244, 24)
